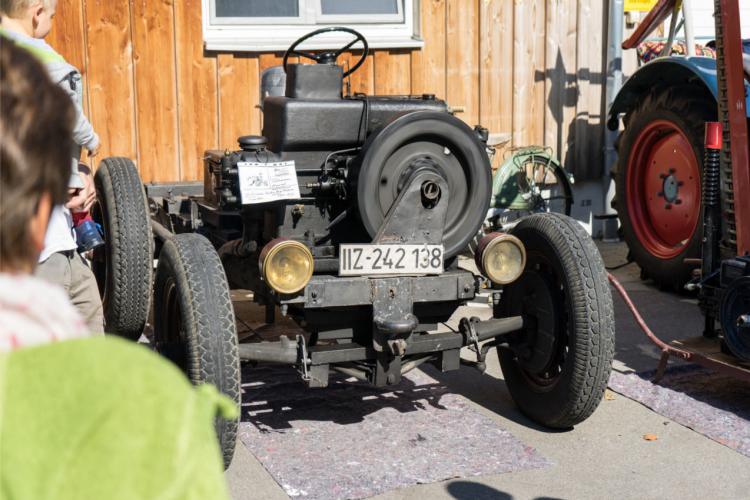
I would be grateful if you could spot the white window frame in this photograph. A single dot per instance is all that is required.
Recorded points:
(243, 21)
(277, 34)
(354, 18)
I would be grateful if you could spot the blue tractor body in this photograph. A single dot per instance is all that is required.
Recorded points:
(667, 72)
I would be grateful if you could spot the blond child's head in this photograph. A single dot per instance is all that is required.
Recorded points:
(34, 17)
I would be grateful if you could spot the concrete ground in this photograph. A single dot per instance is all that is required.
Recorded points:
(605, 456)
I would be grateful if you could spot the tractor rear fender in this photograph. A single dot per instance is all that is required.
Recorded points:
(663, 73)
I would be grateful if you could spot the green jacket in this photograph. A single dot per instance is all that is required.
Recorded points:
(102, 418)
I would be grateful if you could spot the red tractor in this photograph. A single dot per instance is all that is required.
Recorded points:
(659, 175)
(682, 172)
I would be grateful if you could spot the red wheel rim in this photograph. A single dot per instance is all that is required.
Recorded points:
(663, 189)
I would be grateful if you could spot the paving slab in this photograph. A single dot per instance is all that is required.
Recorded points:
(710, 403)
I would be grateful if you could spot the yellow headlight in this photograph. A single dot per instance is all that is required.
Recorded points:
(501, 257)
(286, 265)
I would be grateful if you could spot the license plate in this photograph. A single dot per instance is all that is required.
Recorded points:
(367, 260)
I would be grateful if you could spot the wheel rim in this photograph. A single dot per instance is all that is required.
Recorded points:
(663, 189)
(734, 312)
(543, 352)
(172, 341)
(542, 186)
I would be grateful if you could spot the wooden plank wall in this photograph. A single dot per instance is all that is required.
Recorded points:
(529, 68)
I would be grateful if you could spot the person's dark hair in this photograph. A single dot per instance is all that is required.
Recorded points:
(36, 124)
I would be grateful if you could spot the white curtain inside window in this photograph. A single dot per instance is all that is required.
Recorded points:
(348, 7)
(257, 8)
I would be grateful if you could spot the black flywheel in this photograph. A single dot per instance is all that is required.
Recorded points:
(452, 149)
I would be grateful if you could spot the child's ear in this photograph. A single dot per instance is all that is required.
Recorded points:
(36, 11)
(38, 223)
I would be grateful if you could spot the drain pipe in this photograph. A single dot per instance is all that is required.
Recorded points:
(615, 17)
(687, 16)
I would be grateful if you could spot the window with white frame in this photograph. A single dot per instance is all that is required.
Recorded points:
(272, 25)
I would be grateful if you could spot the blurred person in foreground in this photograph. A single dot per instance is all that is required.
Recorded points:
(35, 132)
(79, 417)
(27, 23)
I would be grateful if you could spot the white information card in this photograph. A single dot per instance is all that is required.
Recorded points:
(265, 182)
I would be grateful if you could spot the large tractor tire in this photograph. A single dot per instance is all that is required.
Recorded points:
(124, 265)
(194, 322)
(557, 367)
(658, 182)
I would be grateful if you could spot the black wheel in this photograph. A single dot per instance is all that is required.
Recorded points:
(530, 181)
(658, 181)
(328, 57)
(194, 322)
(451, 148)
(557, 368)
(124, 265)
(735, 317)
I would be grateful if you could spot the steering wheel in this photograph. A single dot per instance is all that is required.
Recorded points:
(329, 57)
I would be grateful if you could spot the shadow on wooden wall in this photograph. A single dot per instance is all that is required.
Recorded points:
(528, 68)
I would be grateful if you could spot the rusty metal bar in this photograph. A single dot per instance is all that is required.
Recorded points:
(654, 18)
(668, 350)
(737, 117)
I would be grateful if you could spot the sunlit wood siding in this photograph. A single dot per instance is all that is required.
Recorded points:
(529, 68)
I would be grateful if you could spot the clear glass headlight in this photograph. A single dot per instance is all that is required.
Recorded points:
(286, 265)
(501, 257)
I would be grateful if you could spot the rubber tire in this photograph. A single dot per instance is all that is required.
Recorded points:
(124, 266)
(207, 347)
(591, 335)
(688, 108)
(735, 301)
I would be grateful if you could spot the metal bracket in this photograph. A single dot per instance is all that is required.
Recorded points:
(418, 214)
(387, 370)
(304, 358)
(318, 376)
(393, 317)
(423, 200)
(475, 331)
(468, 326)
